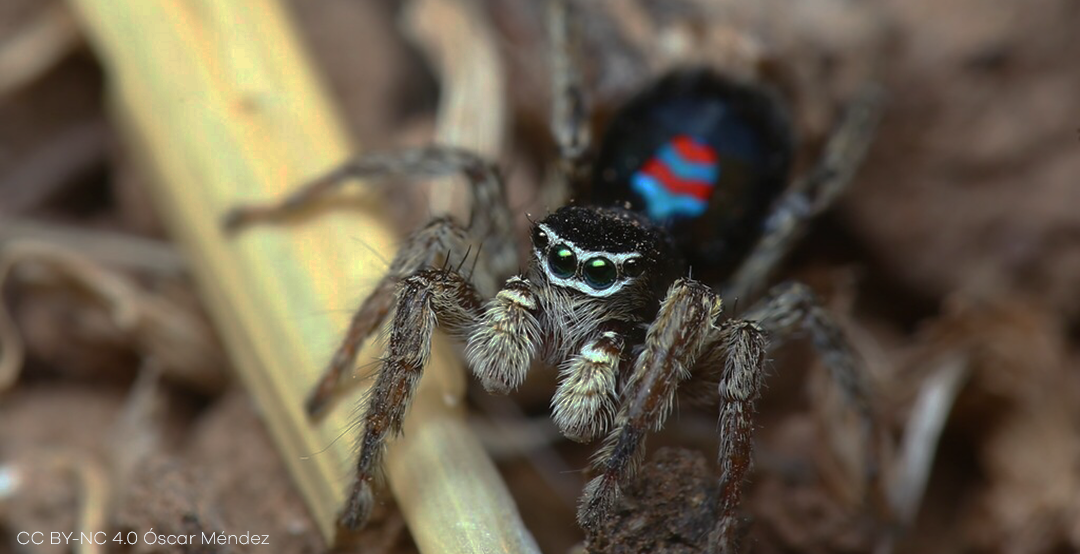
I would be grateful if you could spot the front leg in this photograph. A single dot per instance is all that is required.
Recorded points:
(423, 249)
(741, 347)
(683, 325)
(792, 307)
(427, 297)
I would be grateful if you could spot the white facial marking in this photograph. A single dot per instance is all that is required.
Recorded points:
(581, 254)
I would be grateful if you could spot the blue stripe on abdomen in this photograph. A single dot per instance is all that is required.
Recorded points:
(661, 204)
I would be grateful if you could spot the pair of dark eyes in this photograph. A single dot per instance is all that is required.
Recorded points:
(598, 272)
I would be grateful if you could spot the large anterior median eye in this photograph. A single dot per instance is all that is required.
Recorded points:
(562, 261)
(600, 273)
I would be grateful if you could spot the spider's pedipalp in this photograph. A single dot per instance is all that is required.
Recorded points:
(683, 326)
(584, 403)
(506, 338)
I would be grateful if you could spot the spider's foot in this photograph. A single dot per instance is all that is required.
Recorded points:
(236, 219)
(319, 399)
(596, 503)
(240, 217)
(728, 536)
(358, 507)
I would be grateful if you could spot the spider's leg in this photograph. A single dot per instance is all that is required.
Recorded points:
(492, 221)
(425, 297)
(502, 334)
(742, 344)
(682, 327)
(812, 193)
(422, 249)
(584, 403)
(789, 307)
(570, 111)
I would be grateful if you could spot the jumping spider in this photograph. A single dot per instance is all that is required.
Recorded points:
(692, 172)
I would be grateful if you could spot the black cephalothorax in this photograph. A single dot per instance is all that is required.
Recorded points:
(692, 173)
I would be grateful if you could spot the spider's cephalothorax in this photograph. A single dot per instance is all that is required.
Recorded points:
(691, 174)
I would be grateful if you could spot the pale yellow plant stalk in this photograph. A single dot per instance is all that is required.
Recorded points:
(220, 102)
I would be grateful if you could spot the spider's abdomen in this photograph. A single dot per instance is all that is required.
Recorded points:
(701, 155)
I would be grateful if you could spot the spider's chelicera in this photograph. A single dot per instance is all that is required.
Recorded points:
(692, 172)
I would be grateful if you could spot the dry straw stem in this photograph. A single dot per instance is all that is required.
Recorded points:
(223, 107)
(36, 46)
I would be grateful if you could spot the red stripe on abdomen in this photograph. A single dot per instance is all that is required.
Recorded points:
(693, 151)
(675, 184)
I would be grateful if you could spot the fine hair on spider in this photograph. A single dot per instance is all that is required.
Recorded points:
(692, 172)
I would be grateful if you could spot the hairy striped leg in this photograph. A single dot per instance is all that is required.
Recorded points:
(791, 307)
(423, 249)
(785, 310)
(427, 296)
(740, 385)
(682, 328)
(502, 339)
(491, 224)
(811, 194)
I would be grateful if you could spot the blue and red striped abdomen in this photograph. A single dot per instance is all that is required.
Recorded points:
(701, 155)
(678, 180)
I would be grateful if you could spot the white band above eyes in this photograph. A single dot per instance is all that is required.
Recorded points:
(582, 255)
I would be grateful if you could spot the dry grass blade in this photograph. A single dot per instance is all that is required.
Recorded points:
(38, 46)
(932, 407)
(236, 115)
(135, 253)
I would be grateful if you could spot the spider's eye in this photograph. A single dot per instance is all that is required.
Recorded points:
(600, 273)
(562, 261)
(539, 238)
(633, 267)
